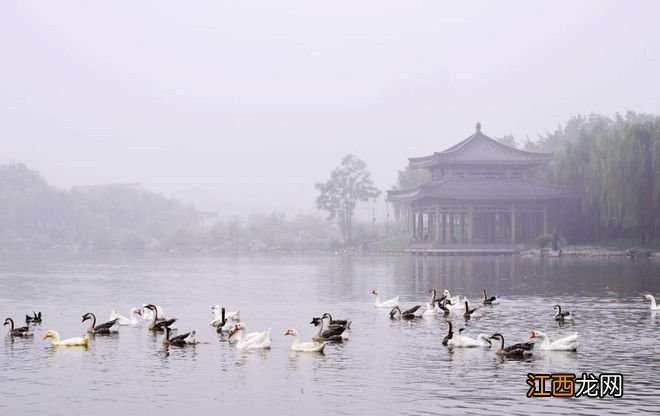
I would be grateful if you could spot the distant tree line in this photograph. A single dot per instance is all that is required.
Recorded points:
(34, 215)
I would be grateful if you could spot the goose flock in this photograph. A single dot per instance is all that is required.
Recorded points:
(328, 329)
(447, 305)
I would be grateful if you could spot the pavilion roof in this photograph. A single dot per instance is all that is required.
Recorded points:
(480, 149)
(483, 189)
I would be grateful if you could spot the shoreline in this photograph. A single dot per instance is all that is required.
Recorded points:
(575, 251)
(592, 251)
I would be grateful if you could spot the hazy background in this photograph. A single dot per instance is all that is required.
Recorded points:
(244, 105)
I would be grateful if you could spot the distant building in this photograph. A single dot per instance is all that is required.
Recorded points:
(481, 192)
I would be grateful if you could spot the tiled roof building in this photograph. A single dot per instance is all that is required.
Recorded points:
(481, 192)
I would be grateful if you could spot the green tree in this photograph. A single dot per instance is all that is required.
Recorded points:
(412, 178)
(508, 140)
(349, 182)
(614, 164)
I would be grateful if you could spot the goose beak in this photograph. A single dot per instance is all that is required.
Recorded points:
(45, 336)
(533, 335)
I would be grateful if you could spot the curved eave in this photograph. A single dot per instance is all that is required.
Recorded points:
(403, 195)
(421, 162)
(471, 190)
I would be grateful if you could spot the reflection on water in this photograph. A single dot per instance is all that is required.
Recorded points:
(386, 367)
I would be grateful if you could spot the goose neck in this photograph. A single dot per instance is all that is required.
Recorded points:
(55, 337)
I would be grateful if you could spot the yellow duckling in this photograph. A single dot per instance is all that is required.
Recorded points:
(70, 342)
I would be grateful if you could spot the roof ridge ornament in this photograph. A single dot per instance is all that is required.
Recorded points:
(478, 126)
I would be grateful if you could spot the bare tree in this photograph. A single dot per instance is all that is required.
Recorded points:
(349, 182)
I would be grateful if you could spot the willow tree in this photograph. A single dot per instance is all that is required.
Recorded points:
(615, 164)
(644, 137)
(349, 183)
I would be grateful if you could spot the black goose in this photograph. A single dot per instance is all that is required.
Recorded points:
(562, 316)
(23, 331)
(158, 325)
(335, 322)
(396, 313)
(443, 305)
(450, 334)
(179, 340)
(326, 318)
(516, 350)
(220, 323)
(468, 312)
(34, 319)
(335, 334)
(104, 328)
(487, 300)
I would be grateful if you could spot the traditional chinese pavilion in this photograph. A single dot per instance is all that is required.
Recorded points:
(481, 192)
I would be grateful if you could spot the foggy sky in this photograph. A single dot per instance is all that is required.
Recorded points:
(244, 105)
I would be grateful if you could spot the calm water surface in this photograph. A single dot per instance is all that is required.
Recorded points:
(386, 367)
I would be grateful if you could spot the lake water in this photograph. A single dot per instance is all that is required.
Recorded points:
(385, 368)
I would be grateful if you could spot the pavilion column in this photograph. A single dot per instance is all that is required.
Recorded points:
(470, 224)
(431, 226)
(438, 224)
(545, 218)
(411, 224)
(424, 225)
(444, 227)
(416, 225)
(513, 224)
(452, 238)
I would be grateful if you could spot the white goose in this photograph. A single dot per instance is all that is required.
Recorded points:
(148, 314)
(457, 304)
(647, 297)
(432, 308)
(224, 322)
(134, 320)
(462, 341)
(220, 316)
(390, 303)
(311, 346)
(569, 343)
(69, 342)
(251, 341)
